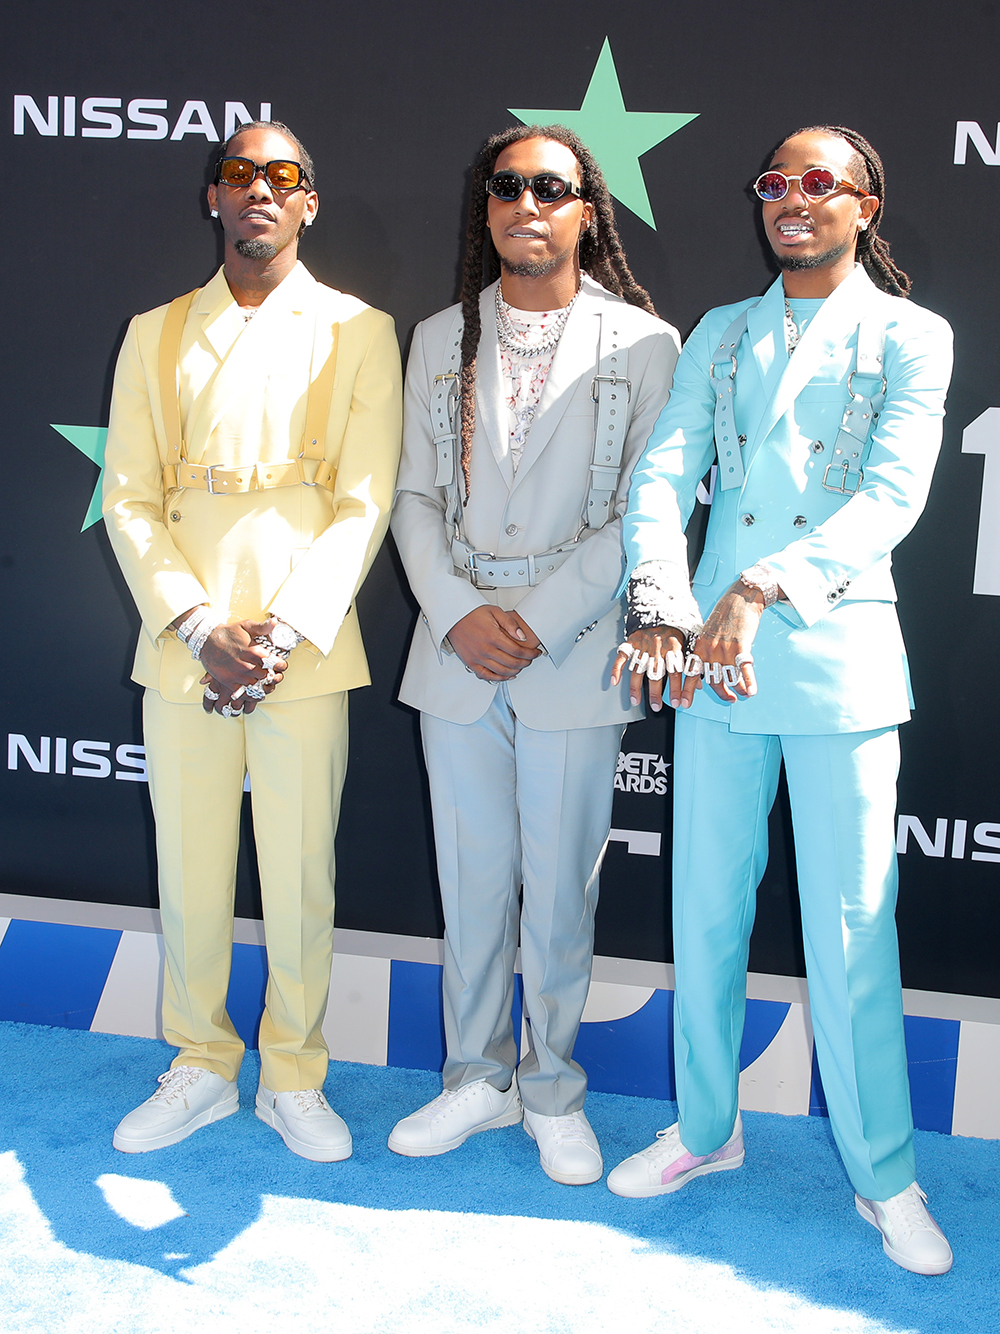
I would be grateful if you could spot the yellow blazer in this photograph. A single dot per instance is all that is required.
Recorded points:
(299, 551)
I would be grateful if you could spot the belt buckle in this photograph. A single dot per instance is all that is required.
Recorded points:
(613, 379)
(473, 557)
(845, 471)
(210, 479)
(302, 471)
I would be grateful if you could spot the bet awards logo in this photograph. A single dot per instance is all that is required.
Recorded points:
(100, 118)
(92, 759)
(640, 771)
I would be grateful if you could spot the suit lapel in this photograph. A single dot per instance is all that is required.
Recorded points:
(830, 326)
(245, 356)
(577, 351)
(765, 332)
(491, 397)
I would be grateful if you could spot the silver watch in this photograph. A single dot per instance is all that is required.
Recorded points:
(762, 577)
(284, 638)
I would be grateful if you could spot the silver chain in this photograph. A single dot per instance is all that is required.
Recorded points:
(792, 332)
(512, 341)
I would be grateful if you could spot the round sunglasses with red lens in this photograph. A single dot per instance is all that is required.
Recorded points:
(816, 183)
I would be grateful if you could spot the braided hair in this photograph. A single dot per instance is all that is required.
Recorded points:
(869, 175)
(601, 253)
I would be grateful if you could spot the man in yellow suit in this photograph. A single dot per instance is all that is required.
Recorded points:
(251, 458)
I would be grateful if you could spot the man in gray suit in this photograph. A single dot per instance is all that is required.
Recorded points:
(526, 407)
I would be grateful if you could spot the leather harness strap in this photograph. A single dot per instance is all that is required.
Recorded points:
(309, 469)
(864, 403)
(611, 392)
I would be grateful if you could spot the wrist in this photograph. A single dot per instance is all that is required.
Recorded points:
(195, 629)
(759, 584)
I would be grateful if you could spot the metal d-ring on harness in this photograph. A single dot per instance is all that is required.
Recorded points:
(611, 391)
(864, 403)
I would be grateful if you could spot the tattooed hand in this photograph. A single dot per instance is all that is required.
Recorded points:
(729, 631)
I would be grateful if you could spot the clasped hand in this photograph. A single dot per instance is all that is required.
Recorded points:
(233, 662)
(494, 644)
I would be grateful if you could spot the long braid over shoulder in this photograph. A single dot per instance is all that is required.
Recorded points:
(869, 175)
(601, 254)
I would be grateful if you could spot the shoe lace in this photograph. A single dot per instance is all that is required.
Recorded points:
(308, 1100)
(569, 1128)
(906, 1212)
(443, 1103)
(665, 1139)
(176, 1082)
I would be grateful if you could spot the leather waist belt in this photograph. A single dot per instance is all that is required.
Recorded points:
(257, 477)
(488, 571)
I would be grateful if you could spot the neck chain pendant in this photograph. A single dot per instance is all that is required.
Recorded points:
(792, 333)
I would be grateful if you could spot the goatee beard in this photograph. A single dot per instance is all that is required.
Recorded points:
(255, 249)
(791, 262)
(531, 268)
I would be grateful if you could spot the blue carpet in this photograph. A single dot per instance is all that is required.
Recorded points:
(255, 1220)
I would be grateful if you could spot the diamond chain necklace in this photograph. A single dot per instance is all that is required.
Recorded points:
(511, 341)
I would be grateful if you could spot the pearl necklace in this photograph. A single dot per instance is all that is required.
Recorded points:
(512, 341)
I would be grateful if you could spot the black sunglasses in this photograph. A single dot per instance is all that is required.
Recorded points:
(243, 171)
(547, 187)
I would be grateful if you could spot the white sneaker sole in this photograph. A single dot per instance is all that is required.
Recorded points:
(566, 1178)
(509, 1118)
(647, 1192)
(316, 1153)
(897, 1257)
(219, 1112)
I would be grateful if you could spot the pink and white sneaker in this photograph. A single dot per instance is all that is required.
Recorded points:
(666, 1165)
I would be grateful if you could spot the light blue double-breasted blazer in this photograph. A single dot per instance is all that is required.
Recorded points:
(831, 658)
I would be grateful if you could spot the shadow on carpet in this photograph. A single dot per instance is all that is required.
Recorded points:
(784, 1226)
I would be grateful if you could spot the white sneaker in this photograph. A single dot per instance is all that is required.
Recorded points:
(909, 1234)
(567, 1147)
(187, 1099)
(454, 1115)
(307, 1123)
(666, 1165)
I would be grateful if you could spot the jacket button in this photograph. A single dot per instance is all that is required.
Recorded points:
(800, 521)
(175, 516)
(817, 446)
(831, 597)
(748, 519)
(511, 529)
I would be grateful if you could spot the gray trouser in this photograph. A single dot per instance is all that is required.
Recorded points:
(517, 807)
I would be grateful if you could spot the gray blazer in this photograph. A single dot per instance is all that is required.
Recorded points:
(574, 612)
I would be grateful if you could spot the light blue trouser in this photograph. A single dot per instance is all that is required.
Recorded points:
(843, 798)
(514, 806)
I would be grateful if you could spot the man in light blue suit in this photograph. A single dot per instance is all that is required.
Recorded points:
(822, 404)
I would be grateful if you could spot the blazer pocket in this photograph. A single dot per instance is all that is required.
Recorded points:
(707, 567)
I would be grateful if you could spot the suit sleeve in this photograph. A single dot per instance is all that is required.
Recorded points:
(420, 510)
(318, 593)
(159, 578)
(814, 570)
(679, 452)
(585, 586)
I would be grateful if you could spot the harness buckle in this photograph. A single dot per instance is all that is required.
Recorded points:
(473, 557)
(845, 471)
(613, 379)
(210, 480)
(732, 373)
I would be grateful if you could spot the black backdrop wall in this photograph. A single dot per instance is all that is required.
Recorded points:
(113, 113)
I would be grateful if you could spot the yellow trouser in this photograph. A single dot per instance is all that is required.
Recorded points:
(296, 755)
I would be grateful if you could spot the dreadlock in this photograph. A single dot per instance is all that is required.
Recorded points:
(601, 253)
(869, 175)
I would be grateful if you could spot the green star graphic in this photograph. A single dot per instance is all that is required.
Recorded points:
(616, 137)
(89, 440)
